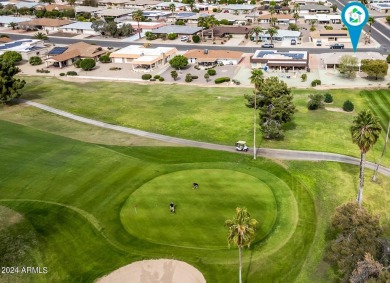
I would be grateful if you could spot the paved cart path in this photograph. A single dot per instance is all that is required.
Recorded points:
(282, 154)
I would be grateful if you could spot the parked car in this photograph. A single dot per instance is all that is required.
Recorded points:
(293, 42)
(337, 46)
(184, 38)
(318, 43)
(267, 45)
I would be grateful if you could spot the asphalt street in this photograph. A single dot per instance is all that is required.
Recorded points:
(183, 47)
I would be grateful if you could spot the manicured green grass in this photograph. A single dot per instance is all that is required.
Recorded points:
(71, 195)
(379, 103)
(198, 211)
(215, 115)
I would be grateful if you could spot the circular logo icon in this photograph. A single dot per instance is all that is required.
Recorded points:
(354, 14)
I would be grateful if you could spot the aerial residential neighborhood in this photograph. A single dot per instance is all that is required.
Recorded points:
(192, 141)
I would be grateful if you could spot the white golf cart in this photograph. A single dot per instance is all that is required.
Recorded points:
(241, 146)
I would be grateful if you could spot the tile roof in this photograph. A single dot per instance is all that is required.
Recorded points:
(86, 50)
(66, 56)
(47, 22)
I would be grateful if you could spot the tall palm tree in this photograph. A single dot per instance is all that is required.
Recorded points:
(172, 8)
(272, 32)
(138, 16)
(365, 131)
(273, 21)
(257, 78)
(211, 23)
(370, 21)
(257, 30)
(241, 232)
(202, 23)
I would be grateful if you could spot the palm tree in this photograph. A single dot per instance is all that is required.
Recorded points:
(241, 232)
(370, 21)
(383, 153)
(272, 32)
(365, 131)
(257, 79)
(172, 8)
(211, 23)
(138, 16)
(257, 30)
(273, 21)
(40, 35)
(202, 23)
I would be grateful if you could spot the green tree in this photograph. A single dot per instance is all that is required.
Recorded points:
(207, 77)
(40, 36)
(388, 59)
(195, 38)
(35, 60)
(257, 30)
(13, 25)
(356, 233)
(11, 56)
(315, 101)
(138, 16)
(174, 75)
(241, 232)
(98, 25)
(10, 87)
(365, 131)
(348, 66)
(111, 29)
(388, 19)
(374, 68)
(334, 8)
(87, 64)
(126, 30)
(370, 21)
(272, 32)
(178, 62)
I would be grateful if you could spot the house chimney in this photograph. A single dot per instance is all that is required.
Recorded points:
(206, 51)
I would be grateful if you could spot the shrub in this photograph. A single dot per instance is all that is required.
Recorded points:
(348, 106)
(328, 98)
(388, 19)
(215, 10)
(35, 60)
(188, 78)
(156, 77)
(315, 83)
(105, 58)
(388, 57)
(328, 27)
(315, 101)
(196, 38)
(312, 29)
(71, 73)
(304, 77)
(44, 71)
(87, 64)
(62, 74)
(222, 80)
(152, 80)
(12, 56)
(146, 77)
(161, 79)
(172, 36)
(211, 72)
(77, 63)
(194, 77)
(115, 69)
(237, 82)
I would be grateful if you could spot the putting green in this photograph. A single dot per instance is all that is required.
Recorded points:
(200, 213)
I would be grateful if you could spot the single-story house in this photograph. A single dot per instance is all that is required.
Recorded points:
(165, 6)
(331, 60)
(114, 13)
(79, 28)
(179, 30)
(312, 8)
(141, 4)
(143, 59)
(307, 2)
(280, 36)
(272, 59)
(222, 31)
(26, 47)
(240, 19)
(267, 2)
(143, 26)
(6, 20)
(330, 35)
(156, 15)
(323, 19)
(64, 56)
(206, 7)
(112, 3)
(87, 9)
(281, 19)
(28, 5)
(380, 7)
(239, 8)
(213, 57)
(46, 24)
(55, 7)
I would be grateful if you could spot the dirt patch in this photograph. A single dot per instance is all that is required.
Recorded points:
(337, 109)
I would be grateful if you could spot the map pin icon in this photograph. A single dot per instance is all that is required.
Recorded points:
(354, 16)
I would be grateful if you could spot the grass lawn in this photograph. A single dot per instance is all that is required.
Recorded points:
(70, 198)
(215, 115)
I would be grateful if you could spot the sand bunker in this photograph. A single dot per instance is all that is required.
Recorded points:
(155, 271)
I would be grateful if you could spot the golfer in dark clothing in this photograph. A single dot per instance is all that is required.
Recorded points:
(172, 207)
(195, 185)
